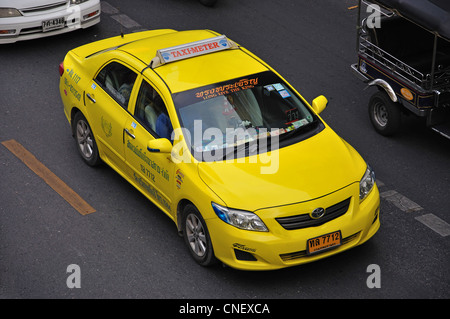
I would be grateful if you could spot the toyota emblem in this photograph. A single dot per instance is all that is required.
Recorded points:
(317, 213)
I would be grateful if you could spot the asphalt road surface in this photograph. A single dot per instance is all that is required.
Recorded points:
(127, 248)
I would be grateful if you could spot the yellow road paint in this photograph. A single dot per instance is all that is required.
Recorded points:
(49, 177)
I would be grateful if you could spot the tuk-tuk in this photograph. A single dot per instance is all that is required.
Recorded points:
(404, 50)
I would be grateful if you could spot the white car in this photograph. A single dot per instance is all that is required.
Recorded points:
(31, 19)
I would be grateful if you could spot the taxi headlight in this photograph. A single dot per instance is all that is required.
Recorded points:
(9, 13)
(366, 184)
(239, 218)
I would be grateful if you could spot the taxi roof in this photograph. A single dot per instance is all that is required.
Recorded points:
(194, 71)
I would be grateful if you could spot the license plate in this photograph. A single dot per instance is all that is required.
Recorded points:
(324, 242)
(53, 24)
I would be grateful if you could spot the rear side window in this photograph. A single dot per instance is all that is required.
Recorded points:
(117, 80)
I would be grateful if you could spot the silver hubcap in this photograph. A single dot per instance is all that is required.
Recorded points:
(84, 138)
(196, 235)
(380, 114)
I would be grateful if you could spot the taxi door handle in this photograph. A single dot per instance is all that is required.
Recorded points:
(91, 98)
(129, 133)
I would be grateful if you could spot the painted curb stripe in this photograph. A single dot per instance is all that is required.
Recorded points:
(49, 177)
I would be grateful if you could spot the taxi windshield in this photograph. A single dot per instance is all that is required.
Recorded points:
(225, 115)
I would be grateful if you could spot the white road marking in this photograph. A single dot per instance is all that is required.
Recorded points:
(435, 223)
(402, 202)
(126, 21)
(405, 204)
(108, 9)
(123, 19)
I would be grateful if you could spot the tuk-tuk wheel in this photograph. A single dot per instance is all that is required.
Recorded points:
(384, 114)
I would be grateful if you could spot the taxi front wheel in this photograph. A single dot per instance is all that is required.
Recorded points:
(86, 145)
(196, 236)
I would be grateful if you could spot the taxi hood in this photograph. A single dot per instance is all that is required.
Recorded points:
(304, 171)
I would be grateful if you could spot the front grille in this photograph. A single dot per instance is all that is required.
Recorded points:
(302, 253)
(58, 5)
(304, 220)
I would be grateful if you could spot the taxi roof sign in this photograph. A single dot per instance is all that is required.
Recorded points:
(189, 50)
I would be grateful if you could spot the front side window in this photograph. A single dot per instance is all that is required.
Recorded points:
(239, 111)
(117, 80)
(152, 112)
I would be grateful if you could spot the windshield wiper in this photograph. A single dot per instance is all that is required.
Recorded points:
(253, 147)
(249, 148)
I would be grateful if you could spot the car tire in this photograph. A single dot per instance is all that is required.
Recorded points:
(85, 141)
(196, 236)
(384, 114)
(208, 3)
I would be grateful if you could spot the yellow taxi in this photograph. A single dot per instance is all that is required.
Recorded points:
(221, 143)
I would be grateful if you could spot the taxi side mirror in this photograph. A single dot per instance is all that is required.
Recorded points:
(159, 145)
(319, 103)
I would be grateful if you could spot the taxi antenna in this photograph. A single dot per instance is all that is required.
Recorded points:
(121, 25)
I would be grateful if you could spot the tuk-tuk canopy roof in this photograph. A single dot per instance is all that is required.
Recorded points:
(433, 15)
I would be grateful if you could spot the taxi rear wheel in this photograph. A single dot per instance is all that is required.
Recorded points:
(86, 145)
(196, 236)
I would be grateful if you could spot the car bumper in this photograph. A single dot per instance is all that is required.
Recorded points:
(30, 25)
(279, 248)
